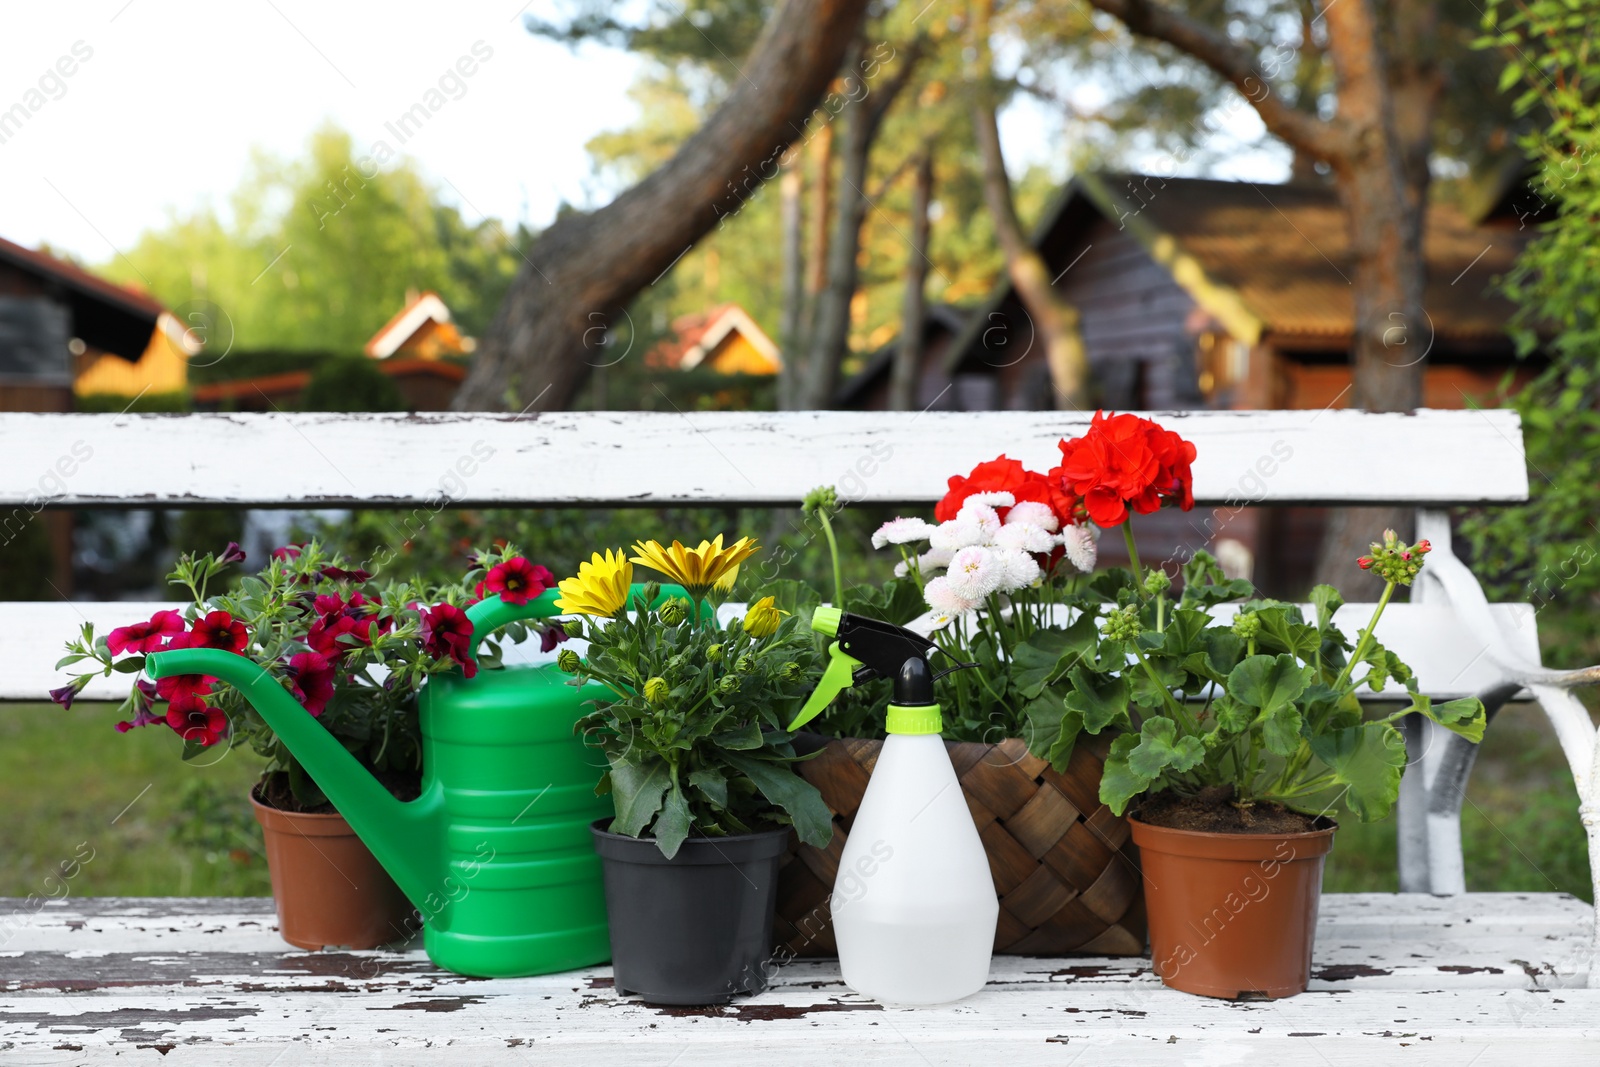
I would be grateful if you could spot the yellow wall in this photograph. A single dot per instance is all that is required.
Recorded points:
(162, 369)
(736, 355)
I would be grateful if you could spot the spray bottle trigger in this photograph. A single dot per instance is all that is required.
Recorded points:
(840, 675)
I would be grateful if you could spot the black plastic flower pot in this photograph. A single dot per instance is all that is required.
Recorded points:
(695, 929)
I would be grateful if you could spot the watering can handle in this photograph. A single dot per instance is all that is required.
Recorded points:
(489, 615)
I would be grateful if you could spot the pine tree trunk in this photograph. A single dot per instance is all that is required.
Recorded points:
(790, 191)
(582, 272)
(907, 371)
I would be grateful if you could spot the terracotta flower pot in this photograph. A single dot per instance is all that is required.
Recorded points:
(1232, 915)
(329, 889)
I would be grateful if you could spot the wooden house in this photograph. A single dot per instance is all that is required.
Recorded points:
(724, 339)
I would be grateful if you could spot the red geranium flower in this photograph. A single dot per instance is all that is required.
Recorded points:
(1122, 463)
(999, 475)
(311, 676)
(446, 631)
(193, 720)
(145, 636)
(517, 581)
(218, 630)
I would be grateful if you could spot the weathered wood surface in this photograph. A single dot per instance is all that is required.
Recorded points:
(428, 460)
(1485, 979)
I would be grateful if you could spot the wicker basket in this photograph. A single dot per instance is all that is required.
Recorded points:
(1064, 866)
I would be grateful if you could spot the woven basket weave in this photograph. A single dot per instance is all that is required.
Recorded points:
(1065, 868)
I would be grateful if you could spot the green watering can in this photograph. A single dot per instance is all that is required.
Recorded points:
(496, 852)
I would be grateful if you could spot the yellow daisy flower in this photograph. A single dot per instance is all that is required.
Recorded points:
(763, 618)
(700, 568)
(600, 588)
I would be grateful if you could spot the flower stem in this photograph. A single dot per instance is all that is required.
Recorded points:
(1366, 637)
(833, 549)
(1133, 555)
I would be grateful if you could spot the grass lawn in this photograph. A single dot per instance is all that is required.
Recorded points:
(159, 827)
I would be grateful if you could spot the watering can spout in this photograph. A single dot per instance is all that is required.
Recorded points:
(408, 835)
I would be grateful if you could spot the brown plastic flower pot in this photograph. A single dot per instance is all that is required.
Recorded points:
(329, 889)
(1232, 915)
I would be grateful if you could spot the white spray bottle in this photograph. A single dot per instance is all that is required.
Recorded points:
(914, 906)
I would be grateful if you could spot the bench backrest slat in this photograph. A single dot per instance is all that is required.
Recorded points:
(1430, 458)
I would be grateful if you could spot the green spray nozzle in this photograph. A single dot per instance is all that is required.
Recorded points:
(864, 649)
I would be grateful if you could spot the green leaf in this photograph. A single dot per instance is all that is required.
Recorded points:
(796, 796)
(1280, 730)
(1161, 749)
(1061, 752)
(1327, 600)
(1281, 632)
(1464, 716)
(1268, 683)
(636, 791)
(1150, 692)
(1368, 761)
(745, 738)
(1119, 782)
(1047, 653)
(131, 665)
(1233, 717)
(710, 782)
(1185, 632)
(672, 826)
(1100, 700)
(1041, 721)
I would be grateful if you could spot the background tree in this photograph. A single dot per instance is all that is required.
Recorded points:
(535, 354)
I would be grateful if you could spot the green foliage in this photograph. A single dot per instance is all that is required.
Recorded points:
(695, 741)
(351, 383)
(318, 254)
(1284, 726)
(116, 403)
(376, 670)
(1545, 550)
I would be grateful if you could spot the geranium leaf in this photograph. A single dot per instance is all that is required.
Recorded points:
(798, 797)
(1327, 600)
(1185, 632)
(1061, 752)
(636, 790)
(1267, 683)
(1150, 692)
(1041, 721)
(1280, 730)
(1367, 760)
(1282, 631)
(1160, 749)
(1047, 653)
(1232, 716)
(1101, 700)
(1119, 782)
(1464, 716)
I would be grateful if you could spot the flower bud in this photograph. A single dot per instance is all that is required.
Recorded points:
(763, 617)
(574, 627)
(1123, 624)
(714, 653)
(568, 661)
(674, 611)
(789, 671)
(656, 690)
(649, 591)
(745, 664)
(728, 684)
(1246, 625)
(1156, 582)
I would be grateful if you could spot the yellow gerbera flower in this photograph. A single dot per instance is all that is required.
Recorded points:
(600, 588)
(700, 568)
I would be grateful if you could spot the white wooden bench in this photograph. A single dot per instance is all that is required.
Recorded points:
(1446, 976)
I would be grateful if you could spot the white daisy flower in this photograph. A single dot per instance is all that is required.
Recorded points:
(955, 535)
(935, 559)
(1080, 546)
(1019, 570)
(944, 600)
(1033, 513)
(902, 531)
(975, 572)
(996, 499)
(1022, 537)
(986, 518)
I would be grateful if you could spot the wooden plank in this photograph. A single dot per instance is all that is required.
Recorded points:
(429, 460)
(1450, 662)
(1481, 978)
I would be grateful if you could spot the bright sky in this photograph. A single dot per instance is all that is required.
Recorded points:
(175, 94)
(166, 99)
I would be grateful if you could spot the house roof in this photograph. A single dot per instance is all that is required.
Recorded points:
(420, 309)
(876, 365)
(699, 334)
(1275, 259)
(104, 314)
